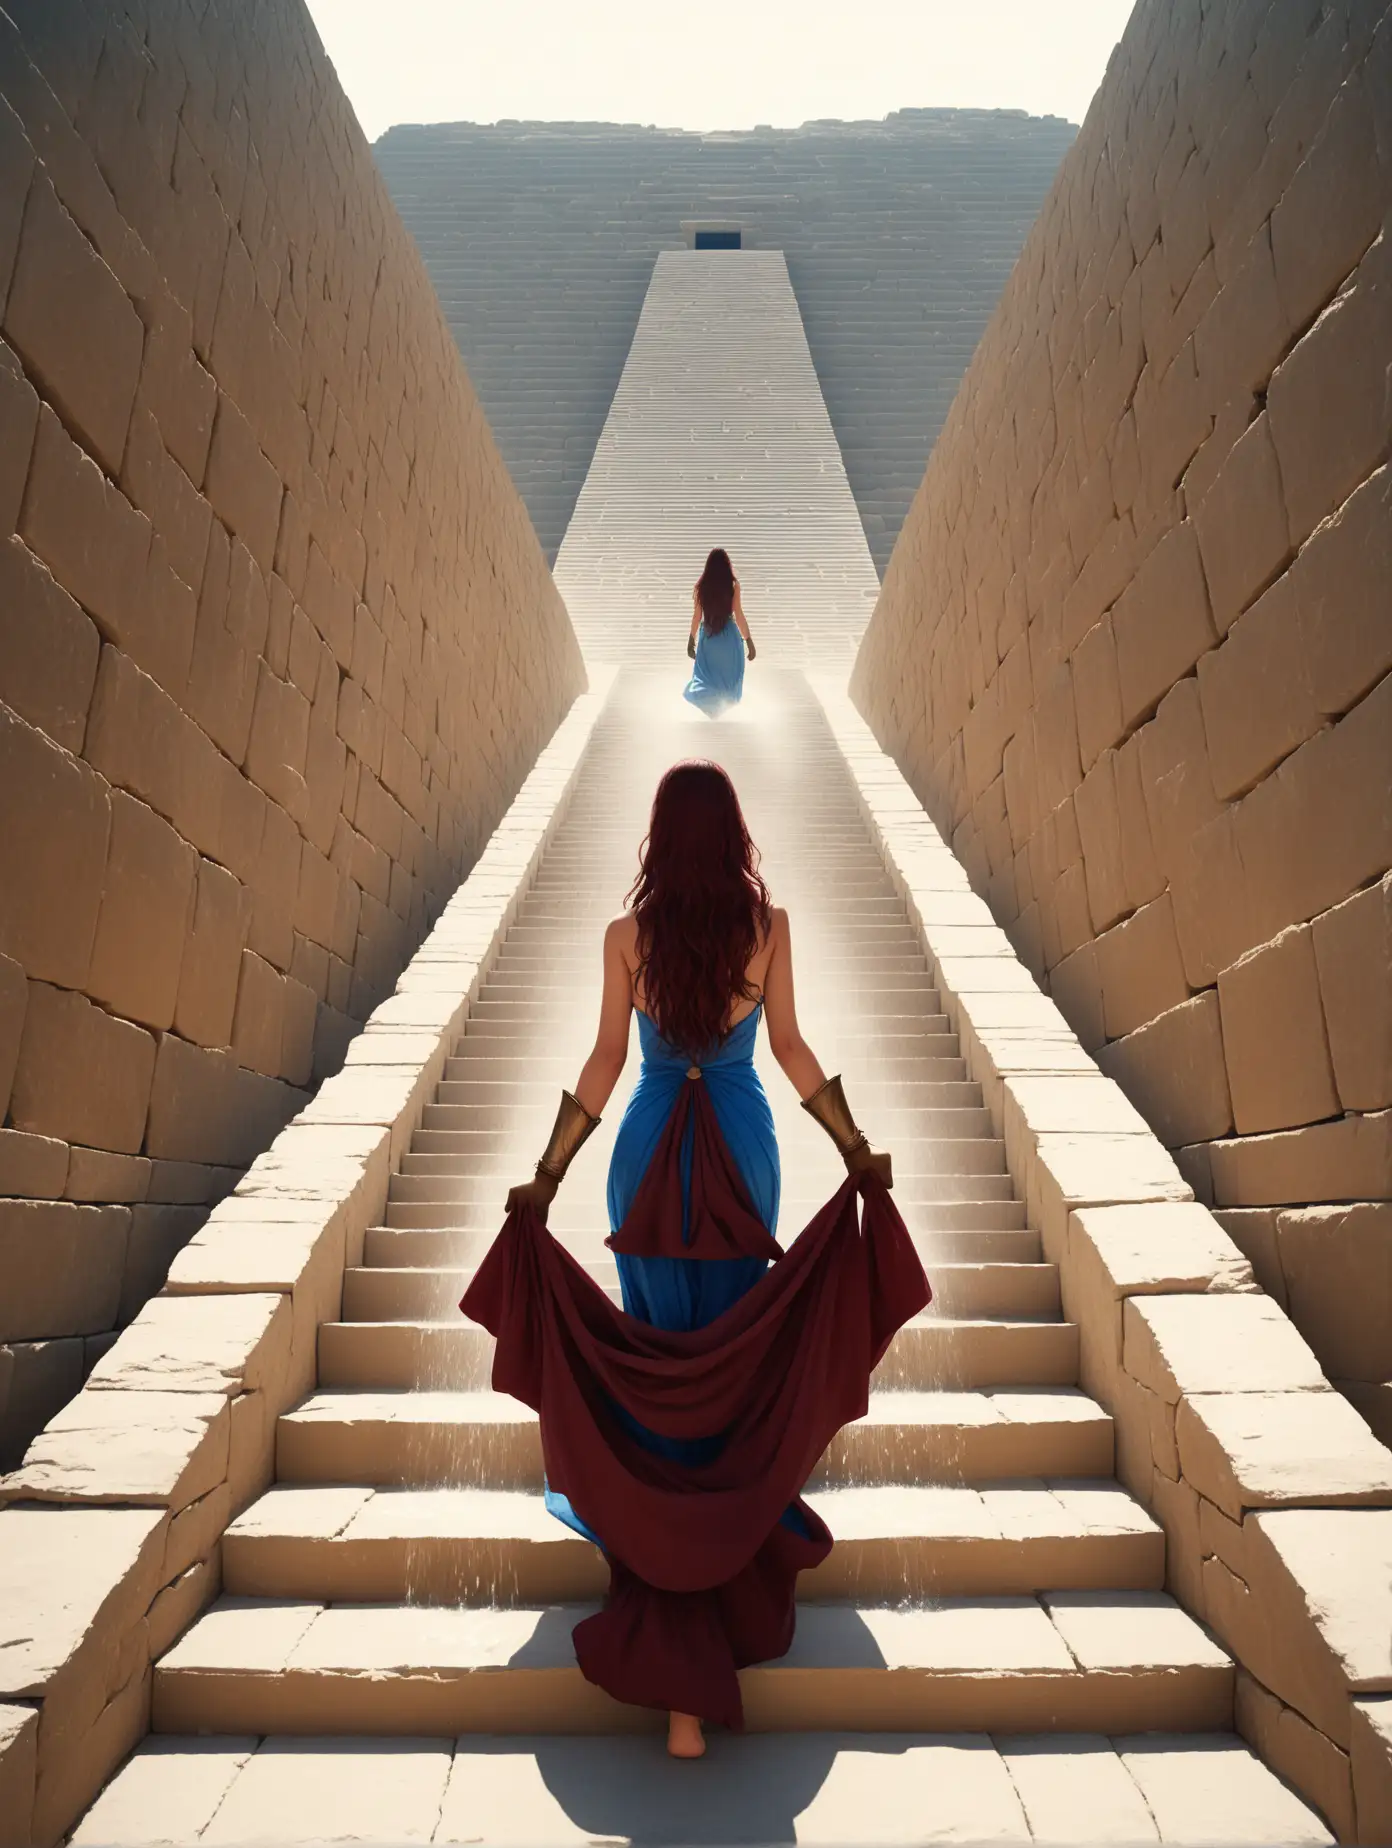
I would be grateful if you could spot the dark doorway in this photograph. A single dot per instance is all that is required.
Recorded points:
(718, 240)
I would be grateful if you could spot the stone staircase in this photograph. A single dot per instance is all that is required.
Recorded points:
(988, 1654)
(718, 434)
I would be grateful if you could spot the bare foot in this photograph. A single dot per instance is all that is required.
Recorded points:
(684, 1736)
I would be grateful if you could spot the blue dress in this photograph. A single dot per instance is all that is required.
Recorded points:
(748, 1372)
(687, 1293)
(717, 680)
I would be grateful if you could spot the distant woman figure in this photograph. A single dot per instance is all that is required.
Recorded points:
(718, 639)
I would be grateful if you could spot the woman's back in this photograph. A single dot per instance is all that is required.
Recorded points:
(716, 589)
(742, 1009)
(736, 1048)
(697, 940)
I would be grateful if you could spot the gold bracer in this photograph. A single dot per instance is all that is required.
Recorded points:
(829, 1107)
(573, 1124)
(831, 1110)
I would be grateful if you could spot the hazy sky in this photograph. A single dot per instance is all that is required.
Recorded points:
(713, 63)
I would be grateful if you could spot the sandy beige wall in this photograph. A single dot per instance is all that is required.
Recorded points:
(277, 641)
(1132, 648)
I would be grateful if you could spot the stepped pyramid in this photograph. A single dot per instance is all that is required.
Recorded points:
(899, 235)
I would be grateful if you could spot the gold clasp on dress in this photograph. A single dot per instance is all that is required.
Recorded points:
(693, 1071)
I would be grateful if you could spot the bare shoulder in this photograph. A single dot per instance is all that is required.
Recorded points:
(780, 930)
(621, 933)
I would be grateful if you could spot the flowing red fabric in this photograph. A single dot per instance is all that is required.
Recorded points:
(703, 1567)
(721, 1221)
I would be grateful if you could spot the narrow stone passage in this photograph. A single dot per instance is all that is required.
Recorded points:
(989, 1641)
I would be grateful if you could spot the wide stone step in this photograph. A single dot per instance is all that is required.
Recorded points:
(1065, 1661)
(577, 968)
(492, 1059)
(591, 849)
(861, 888)
(917, 1170)
(848, 963)
(579, 916)
(373, 1293)
(486, 1440)
(893, 934)
(519, 1106)
(852, 1008)
(559, 904)
(500, 1546)
(879, 1020)
(572, 1217)
(929, 1352)
(479, 1145)
(858, 1032)
(433, 1246)
(923, 1160)
(923, 1089)
(527, 1085)
(542, 1040)
(817, 1788)
(433, 1200)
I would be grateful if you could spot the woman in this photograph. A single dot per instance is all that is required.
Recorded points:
(678, 1434)
(719, 638)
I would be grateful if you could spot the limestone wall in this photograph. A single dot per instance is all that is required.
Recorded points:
(277, 641)
(1132, 648)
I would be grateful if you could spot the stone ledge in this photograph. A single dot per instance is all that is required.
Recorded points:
(1226, 1427)
(1371, 1754)
(111, 1529)
(76, 1587)
(19, 1763)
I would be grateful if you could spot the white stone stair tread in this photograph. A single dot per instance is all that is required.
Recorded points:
(984, 1406)
(1016, 1511)
(1059, 1633)
(808, 1788)
(944, 1323)
(963, 1292)
(891, 1511)
(351, 1406)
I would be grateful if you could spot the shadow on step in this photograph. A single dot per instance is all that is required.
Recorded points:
(632, 1792)
(838, 1633)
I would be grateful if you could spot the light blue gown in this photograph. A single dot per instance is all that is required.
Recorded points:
(717, 680)
(687, 1293)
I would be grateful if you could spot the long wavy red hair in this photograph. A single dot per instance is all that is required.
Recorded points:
(715, 591)
(701, 908)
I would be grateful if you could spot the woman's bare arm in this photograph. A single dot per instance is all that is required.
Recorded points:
(740, 621)
(601, 1070)
(780, 1014)
(695, 612)
(600, 1073)
(800, 1062)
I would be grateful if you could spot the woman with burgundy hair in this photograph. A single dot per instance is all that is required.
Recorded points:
(678, 1433)
(719, 638)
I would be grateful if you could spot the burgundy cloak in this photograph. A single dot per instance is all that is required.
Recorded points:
(703, 1566)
